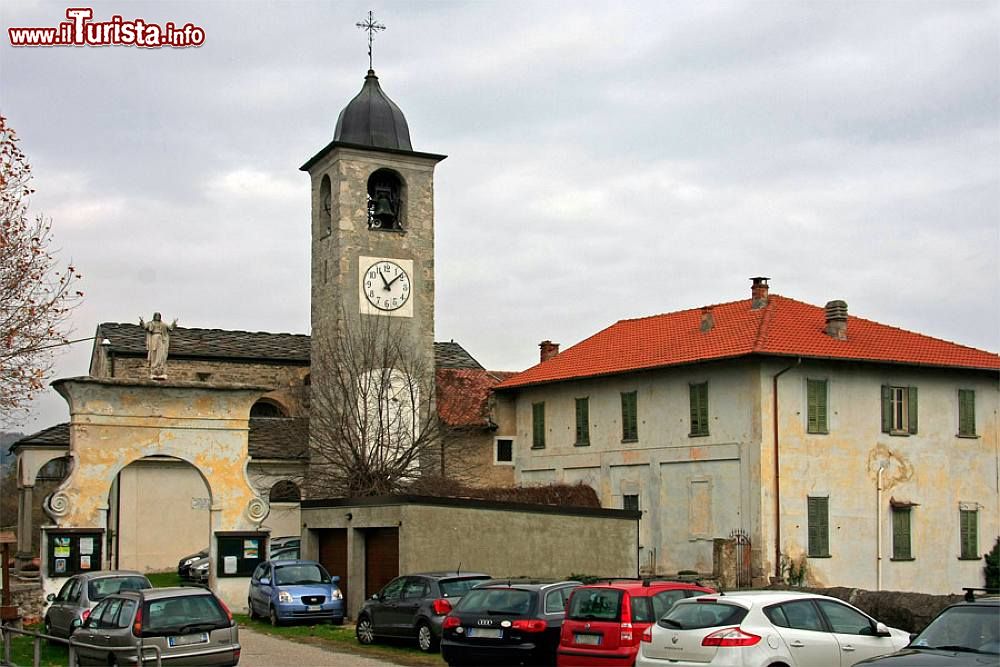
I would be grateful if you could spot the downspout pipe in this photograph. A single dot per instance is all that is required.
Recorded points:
(878, 528)
(777, 466)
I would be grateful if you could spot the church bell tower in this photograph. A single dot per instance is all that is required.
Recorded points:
(372, 228)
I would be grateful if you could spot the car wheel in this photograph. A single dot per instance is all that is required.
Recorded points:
(365, 631)
(273, 617)
(426, 640)
(253, 615)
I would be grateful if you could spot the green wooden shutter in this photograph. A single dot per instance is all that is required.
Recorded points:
(966, 412)
(582, 421)
(538, 425)
(816, 406)
(969, 528)
(819, 526)
(911, 409)
(630, 417)
(886, 408)
(901, 534)
(699, 408)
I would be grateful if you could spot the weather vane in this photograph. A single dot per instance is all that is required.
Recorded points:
(372, 27)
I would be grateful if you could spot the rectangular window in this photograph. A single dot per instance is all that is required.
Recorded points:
(966, 412)
(537, 425)
(505, 451)
(899, 410)
(630, 501)
(969, 529)
(630, 420)
(816, 406)
(819, 526)
(699, 409)
(582, 422)
(901, 534)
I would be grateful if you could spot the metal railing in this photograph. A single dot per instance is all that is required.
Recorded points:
(142, 653)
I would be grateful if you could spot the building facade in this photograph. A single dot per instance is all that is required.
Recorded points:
(849, 452)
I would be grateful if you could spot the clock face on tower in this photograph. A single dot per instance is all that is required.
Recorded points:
(385, 287)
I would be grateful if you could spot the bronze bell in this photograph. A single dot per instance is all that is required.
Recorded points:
(383, 212)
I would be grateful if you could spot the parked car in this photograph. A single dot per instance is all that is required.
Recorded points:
(605, 621)
(966, 634)
(500, 624)
(190, 626)
(198, 570)
(184, 564)
(294, 590)
(285, 553)
(81, 593)
(758, 628)
(414, 606)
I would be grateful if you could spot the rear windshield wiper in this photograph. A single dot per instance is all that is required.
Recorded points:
(672, 623)
(590, 617)
(193, 627)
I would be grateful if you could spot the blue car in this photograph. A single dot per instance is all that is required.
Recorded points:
(295, 590)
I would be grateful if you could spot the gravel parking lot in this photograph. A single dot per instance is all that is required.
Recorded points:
(260, 650)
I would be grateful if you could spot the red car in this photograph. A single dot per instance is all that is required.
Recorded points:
(605, 621)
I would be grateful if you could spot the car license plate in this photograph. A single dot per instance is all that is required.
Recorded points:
(485, 633)
(188, 640)
(314, 607)
(593, 640)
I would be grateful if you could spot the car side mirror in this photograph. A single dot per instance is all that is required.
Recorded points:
(881, 630)
(50, 597)
(335, 579)
(74, 624)
(376, 596)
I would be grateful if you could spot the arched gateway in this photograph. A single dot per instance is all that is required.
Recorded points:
(114, 423)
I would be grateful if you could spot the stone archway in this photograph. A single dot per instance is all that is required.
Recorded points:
(114, 423)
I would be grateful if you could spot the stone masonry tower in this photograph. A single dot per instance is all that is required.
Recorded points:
(372, 229)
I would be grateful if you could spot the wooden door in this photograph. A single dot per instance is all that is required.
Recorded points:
(333, 556)
(381, 558)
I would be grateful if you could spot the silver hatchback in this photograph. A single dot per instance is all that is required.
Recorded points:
(189, 626)
(82, 592)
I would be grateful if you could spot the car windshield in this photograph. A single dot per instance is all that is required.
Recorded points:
(456, 588)
(496, 601)
(181, 615)
(595, 604)
(698, 615)
(971, 628)
(305, 573)
(98, 589)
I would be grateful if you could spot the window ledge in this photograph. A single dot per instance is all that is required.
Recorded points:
(818, 556)
(625, 440)
(582, 444)
(698, 435)
(827, 432)
(970, 558)
(901, 560)
(969, 436)
(538, 446)
(899, 434)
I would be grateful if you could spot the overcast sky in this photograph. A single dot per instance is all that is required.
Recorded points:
(606, 160)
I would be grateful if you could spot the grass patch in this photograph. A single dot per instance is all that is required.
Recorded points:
(164, 579)
(23, 650)
(341, 638)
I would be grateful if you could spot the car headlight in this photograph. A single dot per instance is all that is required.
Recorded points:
(190, 560)
(336, 595)
(284, 596)
(202, 568)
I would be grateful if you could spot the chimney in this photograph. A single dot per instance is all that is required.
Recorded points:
(548, 350)
(707, 319)
(836, 320)
(758, 293)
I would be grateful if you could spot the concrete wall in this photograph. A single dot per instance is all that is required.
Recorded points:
(512, 542)
(934, 468)
(691, 489)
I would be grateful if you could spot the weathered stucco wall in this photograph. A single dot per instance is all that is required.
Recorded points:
(934, 468)
(691, 489)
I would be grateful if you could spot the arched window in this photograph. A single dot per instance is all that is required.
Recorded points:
(285, 492)
(54, 471)
(325, 206)
(266, 409)
(386, 192)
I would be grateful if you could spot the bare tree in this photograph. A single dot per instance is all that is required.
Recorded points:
(373, 427)
(36, 293)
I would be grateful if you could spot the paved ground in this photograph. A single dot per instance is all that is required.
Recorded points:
(261, 650)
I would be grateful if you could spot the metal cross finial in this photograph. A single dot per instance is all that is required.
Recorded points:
(372, 27)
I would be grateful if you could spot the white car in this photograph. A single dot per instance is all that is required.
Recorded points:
(765, 629)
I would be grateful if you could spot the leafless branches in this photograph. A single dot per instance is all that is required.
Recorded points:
(36, 293)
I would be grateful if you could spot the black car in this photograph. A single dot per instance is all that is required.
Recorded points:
(507, 624)
(966, 634)
(413, 607)
(184, 564)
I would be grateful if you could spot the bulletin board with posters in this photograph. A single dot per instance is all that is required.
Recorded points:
(72, 551)
(239, 553)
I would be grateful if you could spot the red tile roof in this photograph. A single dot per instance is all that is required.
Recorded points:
(784, 327)
(463, 396)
